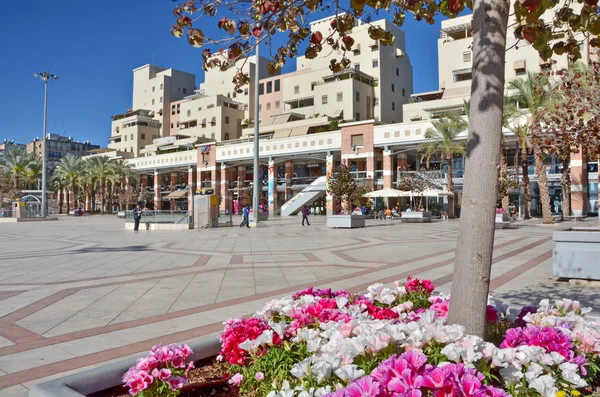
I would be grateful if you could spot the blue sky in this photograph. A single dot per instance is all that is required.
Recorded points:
(94, 49)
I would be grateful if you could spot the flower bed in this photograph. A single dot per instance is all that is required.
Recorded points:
(395, 342)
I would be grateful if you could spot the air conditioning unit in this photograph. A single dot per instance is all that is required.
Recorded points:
(399, 53)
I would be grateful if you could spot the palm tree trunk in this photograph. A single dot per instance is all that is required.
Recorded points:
(542, 184)
(525, 183)
(102, 195)
(565, 180)
(60, 200)
(450, 187)
(504, 178)
(68, 201)
(16, 181)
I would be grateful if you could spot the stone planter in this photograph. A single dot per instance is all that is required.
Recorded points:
(95, 380)
(346, 221)
(502, 220)
(576, 253)
(416, 217)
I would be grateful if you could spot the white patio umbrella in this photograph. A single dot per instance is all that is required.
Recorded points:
(384, 193)
(433, 193)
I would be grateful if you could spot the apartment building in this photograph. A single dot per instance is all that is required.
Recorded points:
(217, 82)
(58, 147)
(455, 66)
(388, 66)
(7, 144)
(133, 130)
(216, 117)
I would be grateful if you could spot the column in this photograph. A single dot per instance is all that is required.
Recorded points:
(289, 173)
(215, 184)
(579, 184)
(388, 169)
(199, 181)
(173, 183)
(191, 188)
(272, 195)
(329, 174)
(157, 197)
(225, 196)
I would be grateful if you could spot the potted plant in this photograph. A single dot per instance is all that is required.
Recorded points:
(502, 219)
(577, 253)
(343, 187)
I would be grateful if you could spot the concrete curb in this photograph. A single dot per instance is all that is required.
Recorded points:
(94, 380)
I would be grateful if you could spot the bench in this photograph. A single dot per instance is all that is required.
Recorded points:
(416, 217)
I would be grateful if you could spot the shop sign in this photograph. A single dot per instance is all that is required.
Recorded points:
(205, 149)
(313, 165)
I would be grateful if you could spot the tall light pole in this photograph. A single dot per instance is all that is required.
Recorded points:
(257, 185)
(44, 76)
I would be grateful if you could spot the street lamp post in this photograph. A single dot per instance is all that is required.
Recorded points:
(44, 76)
(257, 184)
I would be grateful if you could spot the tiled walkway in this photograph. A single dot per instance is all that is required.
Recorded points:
(82, 291)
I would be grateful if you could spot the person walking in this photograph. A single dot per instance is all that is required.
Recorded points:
(137, 216)
(245, 214)
(305, 216)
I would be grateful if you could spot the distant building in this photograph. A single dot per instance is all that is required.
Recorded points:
(7, 143)
(59, 146)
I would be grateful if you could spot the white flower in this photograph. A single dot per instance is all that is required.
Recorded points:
(349, 372)
(341, 301)
(301, 369)
(279, 328)
(544, 385)
(511, 375)
(569, 373)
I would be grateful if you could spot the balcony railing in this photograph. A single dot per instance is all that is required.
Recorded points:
(359, 174)
(378, 175)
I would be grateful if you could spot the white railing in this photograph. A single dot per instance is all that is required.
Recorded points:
(279, 146)
(176, 159)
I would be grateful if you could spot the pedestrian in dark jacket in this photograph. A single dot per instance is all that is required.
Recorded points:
(305, 216)
(137, 216)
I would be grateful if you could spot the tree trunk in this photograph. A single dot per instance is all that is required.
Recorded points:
(93, 197)
(540, 171)
(525, 183)
(565, 181)
(73, 187)
(450, 187)
(60, 200)
(504, 178)
(68, 201)
(102, 195)
(16, 182)
(473, 264)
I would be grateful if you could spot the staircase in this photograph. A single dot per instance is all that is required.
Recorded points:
(304, 197)
(432, 177)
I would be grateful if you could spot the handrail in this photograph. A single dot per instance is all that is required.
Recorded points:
(422, 176)
(320, 180)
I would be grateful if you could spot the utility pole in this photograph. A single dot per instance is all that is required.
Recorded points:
(257, 186)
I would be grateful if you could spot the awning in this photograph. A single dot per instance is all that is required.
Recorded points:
(520, 64)
(169, 147)
(299, 131)
(461, 71)
(284, 133)
(337, 113)
(177, 194)
(299, 99)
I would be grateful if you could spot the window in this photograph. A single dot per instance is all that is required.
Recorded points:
(171, 125)
(234, 94)
(153, 88)
(189, 112)
(212, 135)
(467, 56)
(397, 71)
(185, 91)
(268, 105)
(464, 76)
(545, 67)
(143, 136)
(246, 91)
(393, 105)
(375, 101)
(277, 104)
(356, 51)
(226, 136)
(357, 67)
(296, 89)
(153, 101)
(375, 63)
(393, 87)
(161, 86)
(200, 108)
(277, 86)
(261, 88)
(324, 99)
(124, 138)
(357, 96)
(374, 47)
(131, 149)
(172, 109)
(340, 96)
(260, 107)
(132, 137)
(403, 92)
(269, 87)
(160, 100)
(357, 116)
(229, 95)
(226, 119)
(178, 109)
(356, 140)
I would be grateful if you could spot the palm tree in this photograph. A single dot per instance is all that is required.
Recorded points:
(443, 143)
(58, 184)
(70, 168)
(15, 161)
(123, 177)
(33, 173)
(532, 95)
(100, 169)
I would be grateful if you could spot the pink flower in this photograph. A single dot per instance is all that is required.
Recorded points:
(416, 285)
(259, 376)
(162, 374)
(176, 382)
(364, 387)
(236, 379)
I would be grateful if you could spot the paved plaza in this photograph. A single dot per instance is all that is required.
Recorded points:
(81, 292)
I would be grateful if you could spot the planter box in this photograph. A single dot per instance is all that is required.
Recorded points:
(502, 220)
(416, 217)
(102, 378)
(576, 253)
(346, 221)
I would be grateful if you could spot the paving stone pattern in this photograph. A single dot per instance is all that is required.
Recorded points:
(82, 292)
